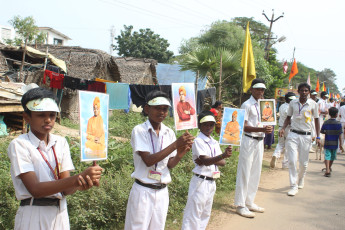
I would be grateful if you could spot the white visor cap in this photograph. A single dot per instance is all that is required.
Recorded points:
(159, 101)
(314, 93)
(207, 118)
(259, 86)
(292, 97)
(43, 105)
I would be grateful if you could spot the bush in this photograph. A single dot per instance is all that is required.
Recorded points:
(105, 207)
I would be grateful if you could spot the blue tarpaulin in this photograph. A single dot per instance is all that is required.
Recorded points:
(167, 74)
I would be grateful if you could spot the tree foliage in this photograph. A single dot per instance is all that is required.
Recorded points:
(28, 32)
(142, 44)
(229, 37)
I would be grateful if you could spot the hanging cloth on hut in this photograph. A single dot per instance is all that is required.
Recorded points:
(202, 94)
(56, 79)
(139, 92)
(118, 95)
(71, 82)
(96, 86)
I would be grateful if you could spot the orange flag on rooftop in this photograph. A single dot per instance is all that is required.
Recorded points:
(247, 62)
(317, 89)
(294, 70)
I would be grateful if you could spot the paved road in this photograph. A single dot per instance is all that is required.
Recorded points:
(319, 205)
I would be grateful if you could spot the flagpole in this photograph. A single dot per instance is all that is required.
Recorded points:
(293, 58)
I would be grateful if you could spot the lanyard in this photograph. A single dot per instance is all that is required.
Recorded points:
(57, 177)
(299, 108)
(153, 146)
(213, 154)
(257, 111)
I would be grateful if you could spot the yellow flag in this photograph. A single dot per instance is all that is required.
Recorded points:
(247, 62)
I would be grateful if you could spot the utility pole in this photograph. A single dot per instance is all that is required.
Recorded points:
(267, 47)
(112, 34)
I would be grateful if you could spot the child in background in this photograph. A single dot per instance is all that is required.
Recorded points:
(207, 156)
(41, 165)
(332, 130)
(155, 151)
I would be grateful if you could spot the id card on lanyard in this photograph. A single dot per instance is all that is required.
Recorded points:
(216, 173)
(154, 174)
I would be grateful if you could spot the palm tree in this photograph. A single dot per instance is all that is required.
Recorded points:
(216, 64)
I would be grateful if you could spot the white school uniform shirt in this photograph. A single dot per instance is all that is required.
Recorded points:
(299, 121)
(323, 105)
(141, 141)
(342, 113)
(25, 157)
(252, 115)
(283, 109)
(205, 146)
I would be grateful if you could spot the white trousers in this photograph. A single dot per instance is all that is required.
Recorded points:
(199, 204)
(248, 171)
(146, 208)
(41, 218)
(297, 146)
(280, 148)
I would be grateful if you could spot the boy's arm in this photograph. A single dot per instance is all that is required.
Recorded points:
(218, 160)
(185, 140)
(68, 184)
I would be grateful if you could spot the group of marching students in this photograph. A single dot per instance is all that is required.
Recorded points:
(41, 161)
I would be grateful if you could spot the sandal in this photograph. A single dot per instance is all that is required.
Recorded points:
(327, 174)
(324, 169)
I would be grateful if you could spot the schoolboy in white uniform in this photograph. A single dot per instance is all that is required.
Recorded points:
(207, 156)
(40, 165)
(251, 153)
(155, 151)
(283, 109)
(303, 111)
(323, 107)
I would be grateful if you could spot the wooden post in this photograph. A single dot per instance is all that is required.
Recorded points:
(220, 79)
(22, 64)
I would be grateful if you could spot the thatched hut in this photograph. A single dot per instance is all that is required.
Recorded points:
(89, 64)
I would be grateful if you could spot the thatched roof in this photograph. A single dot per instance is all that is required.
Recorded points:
(90, 63)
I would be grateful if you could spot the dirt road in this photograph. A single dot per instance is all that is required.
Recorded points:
(319, 205)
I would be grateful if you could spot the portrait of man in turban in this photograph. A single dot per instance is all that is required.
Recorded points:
(184, 109)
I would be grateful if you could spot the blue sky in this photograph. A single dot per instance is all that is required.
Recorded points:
(313, 27)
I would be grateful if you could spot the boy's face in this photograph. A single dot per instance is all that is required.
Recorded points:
(156, 113)
(41, 123)
(303, 92)
(258, 93)
(207, 128)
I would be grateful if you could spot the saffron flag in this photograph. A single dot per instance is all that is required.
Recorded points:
(294, 70)
(317, 89)
(285, 67)
(338, 96)
(308, 80)
(247, 62)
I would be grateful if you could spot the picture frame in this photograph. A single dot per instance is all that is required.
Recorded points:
(94, 118)
(267, 110)
(184, 106)
(232, 126)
